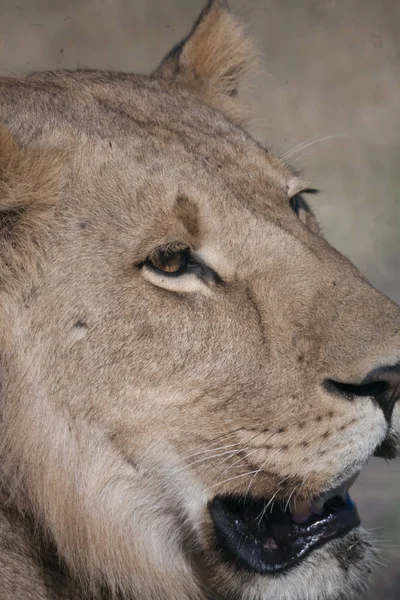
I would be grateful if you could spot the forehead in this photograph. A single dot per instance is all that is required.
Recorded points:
(139, 127)
(140, 144)
(154, 134)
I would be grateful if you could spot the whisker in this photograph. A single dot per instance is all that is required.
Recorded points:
(290, 497)
(204, 458)
(269, 457)
(209, 445)
(304, 480)
(212, 450)
(245, 449)
(269, 503)
(259, 470)
(231, 479)
(297, 147)
(239, 460)
(378, 562)
(356, 543)
(311, 142)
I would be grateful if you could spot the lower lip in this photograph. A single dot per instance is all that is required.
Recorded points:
(272, 542)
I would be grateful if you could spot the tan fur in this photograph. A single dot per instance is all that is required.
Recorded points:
(30, 183)
(213, 60)
(129, 399)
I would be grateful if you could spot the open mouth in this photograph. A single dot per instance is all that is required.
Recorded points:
(267, 538)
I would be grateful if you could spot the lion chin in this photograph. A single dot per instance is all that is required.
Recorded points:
(191, 377)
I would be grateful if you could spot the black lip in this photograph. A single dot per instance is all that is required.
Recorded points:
(272, 543)
(388, 449)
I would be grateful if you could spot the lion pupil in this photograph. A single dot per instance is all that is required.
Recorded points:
(171, 262)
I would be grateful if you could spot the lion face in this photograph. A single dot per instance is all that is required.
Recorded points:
(192, 376)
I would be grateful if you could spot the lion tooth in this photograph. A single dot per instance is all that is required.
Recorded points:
(302, 509)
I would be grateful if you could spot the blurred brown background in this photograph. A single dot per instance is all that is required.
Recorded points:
(328, 93)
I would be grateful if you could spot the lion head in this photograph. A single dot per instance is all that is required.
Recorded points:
(191, 376)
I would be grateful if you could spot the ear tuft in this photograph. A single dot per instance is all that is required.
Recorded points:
(30, 181)
(213, 59)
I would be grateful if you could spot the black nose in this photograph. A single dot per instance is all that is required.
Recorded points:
(381, 384)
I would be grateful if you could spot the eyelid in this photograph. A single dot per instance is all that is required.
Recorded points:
(184, 284)
(168, 248)
(206, 272)
(295, 204)
(195, 266)
(199, 267)
(300, 193)
(168, 252)
(309, 190)
(303, 204)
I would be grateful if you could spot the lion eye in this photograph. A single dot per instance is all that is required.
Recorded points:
(173, 262)
(295, 204)
(300, 208)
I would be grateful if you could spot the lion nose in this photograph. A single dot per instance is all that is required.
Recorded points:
(381, 384)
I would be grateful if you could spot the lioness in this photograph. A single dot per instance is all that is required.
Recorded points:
(191, 377)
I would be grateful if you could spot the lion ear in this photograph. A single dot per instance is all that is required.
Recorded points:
(29, 188)
(213, 59)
